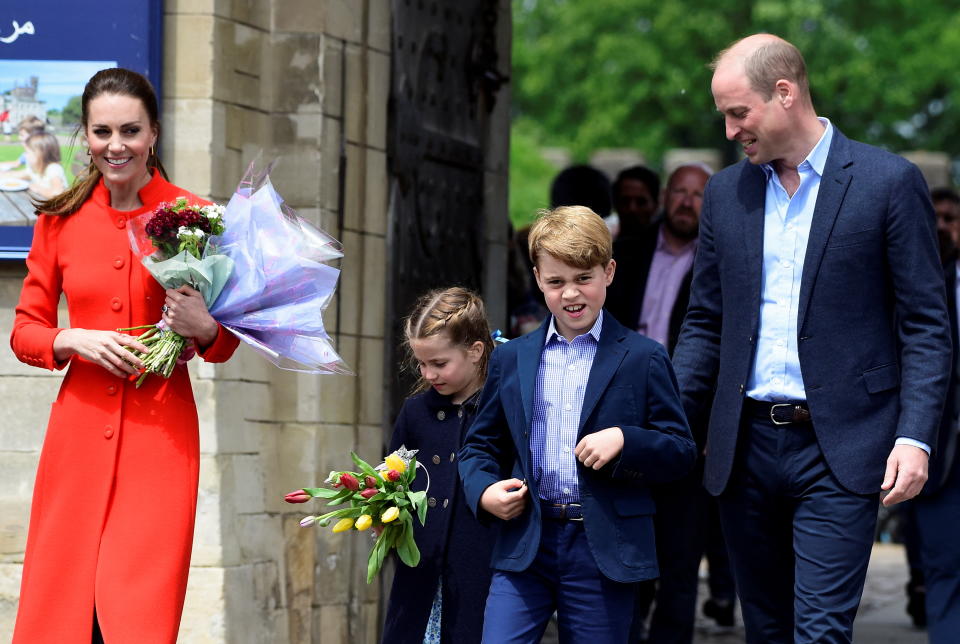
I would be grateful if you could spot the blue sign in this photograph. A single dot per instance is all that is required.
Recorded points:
(48, 51)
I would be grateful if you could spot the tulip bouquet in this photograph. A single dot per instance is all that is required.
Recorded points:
(375, 497)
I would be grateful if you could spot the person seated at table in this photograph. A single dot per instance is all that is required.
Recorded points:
(44, 172)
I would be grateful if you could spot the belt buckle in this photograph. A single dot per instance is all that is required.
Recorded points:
(774, 420)
(563, 511)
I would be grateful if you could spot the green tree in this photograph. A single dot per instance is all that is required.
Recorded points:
(634, 73)
(72, 111)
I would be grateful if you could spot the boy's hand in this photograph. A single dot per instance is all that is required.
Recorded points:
(505, 499)
(599, 448)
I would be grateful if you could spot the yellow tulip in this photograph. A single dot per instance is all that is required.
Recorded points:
(394, 462)
(343, 525)
(391, 514)
(364, 521)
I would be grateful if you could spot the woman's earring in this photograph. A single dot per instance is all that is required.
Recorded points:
(152, 153)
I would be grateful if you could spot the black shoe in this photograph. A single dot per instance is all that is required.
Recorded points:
(720, 611)
(916, 605)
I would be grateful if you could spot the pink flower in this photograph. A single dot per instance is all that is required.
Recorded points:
(369, 481)
(369, 492)
(349, 481)
(393, 475)
(297, 497)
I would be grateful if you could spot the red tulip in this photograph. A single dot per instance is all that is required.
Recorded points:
(393, 475)
(297, 497)
(350, 481)
(369, 492)
(369, 481)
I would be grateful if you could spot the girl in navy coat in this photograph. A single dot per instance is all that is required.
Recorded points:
(442, 599)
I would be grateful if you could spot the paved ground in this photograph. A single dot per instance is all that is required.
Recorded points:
(881, 620)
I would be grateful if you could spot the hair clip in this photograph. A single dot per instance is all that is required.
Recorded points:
(498, 337)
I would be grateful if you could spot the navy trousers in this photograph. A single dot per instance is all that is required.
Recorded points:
(799, 543)
(562, 578)
(938, 517)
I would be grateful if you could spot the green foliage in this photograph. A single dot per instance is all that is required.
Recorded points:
(533, 191)
(72, 110)
(634, 73)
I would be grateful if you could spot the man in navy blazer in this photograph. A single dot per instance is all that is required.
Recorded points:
(818, 321)
(582, 415)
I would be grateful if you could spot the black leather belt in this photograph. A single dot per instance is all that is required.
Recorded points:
(779, 413)
(562, 511)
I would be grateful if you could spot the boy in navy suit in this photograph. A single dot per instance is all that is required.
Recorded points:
(576, 420)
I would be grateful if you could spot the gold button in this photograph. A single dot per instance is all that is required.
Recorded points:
(453, 455)
(441, 415)
(432, 502)
(436, 460)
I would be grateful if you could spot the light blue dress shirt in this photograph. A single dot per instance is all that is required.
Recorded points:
(776, 374)
(558, 401)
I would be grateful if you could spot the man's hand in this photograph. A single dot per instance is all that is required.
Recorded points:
(505, 499)
(907, 467)
(599, 448)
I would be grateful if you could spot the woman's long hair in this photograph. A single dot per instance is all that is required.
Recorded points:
(117, 81)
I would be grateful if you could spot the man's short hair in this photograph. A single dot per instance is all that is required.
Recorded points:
(944, 194)
(640, 173)
(770, 62)
(574, 235)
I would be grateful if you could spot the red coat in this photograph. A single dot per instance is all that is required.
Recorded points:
(116, 490)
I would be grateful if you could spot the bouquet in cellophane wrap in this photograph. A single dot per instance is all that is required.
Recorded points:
(259, 268)
(178, 244)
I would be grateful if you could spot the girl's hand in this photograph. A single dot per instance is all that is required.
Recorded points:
(505, 499)
(185, 313)
(104, 348)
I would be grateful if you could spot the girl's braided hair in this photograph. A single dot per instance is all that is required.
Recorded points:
(456, 312)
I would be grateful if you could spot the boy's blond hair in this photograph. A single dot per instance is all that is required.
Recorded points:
(574, 235)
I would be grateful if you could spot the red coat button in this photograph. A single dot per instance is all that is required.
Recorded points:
(121, 222)
(118, 262)
(108, 433)
(111, 389)
(116, 304)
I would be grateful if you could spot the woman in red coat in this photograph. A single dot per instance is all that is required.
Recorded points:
(111, 527)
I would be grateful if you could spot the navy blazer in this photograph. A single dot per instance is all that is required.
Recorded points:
(631, 386)
(453, 545)
(873, 335)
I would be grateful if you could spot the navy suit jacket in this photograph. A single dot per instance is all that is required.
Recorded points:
(873, 334)
(631, 386)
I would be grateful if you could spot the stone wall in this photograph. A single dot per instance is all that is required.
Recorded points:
(306, 82)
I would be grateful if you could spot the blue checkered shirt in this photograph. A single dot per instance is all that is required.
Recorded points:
(561, 384)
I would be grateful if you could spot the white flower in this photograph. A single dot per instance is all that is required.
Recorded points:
(184, 231)
(214, 211)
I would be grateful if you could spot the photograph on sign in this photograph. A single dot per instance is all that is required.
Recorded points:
(40, 152)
